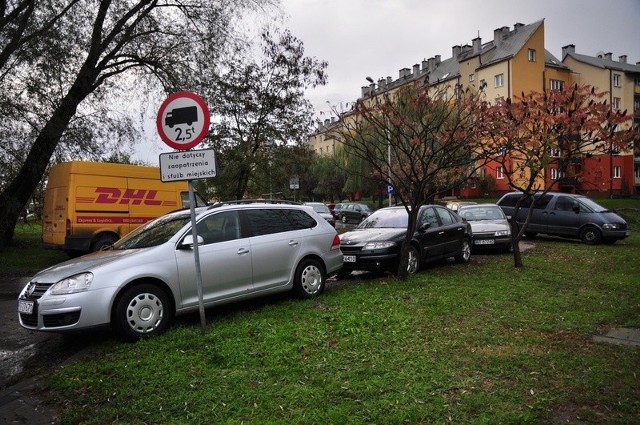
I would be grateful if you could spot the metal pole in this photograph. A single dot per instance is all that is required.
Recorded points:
(196, 254)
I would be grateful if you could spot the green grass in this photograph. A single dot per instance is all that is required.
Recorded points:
(475, 343)
(26, 256)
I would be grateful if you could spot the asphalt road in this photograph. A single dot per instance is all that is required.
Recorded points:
(24, 353)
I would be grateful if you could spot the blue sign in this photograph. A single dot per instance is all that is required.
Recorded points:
(390, 189)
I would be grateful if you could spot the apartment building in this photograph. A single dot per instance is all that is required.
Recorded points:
(515, 61)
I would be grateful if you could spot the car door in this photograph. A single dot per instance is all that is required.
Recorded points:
(275, 246)
(564, 216)
(225, 261)
(430, 239)
(539, 216)
(452, 231)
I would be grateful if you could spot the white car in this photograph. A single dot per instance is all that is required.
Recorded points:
(489, 226)
(246, 250)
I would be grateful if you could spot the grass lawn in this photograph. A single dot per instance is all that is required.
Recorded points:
(475, 343)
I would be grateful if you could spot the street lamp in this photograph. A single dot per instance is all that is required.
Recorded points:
(386, 132)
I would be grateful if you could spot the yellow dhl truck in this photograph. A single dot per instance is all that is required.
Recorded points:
(90, 205)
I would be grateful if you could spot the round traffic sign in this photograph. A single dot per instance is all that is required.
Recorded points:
(183, 120)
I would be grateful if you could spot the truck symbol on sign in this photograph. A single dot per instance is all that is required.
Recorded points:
(187, 115)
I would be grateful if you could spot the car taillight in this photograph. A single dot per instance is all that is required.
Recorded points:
(336, 243)
(68, 227)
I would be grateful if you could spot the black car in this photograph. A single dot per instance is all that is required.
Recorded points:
(354, 212)
(375, 244)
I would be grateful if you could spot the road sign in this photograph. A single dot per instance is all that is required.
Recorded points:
(294, 183)
(188, 165)
(183, 120)
(390, 189)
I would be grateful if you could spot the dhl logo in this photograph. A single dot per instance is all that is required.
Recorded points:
(113, 195)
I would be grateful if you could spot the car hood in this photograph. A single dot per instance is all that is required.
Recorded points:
(355, 237)
(488, 225)
(82, 264)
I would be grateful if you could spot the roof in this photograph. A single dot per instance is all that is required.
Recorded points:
(603, 63)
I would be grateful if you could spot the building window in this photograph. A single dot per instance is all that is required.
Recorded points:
(554, 174)
(556, 85)
(636, 104)
(531, 54)
(617, 80)
(472, 77)
(499, 173)
(499, 79)
(616, 103)
(554, 152)
(636, 171)
(616, 172)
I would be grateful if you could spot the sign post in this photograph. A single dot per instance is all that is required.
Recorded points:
(183, 122)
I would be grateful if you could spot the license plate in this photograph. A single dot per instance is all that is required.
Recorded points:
(25, 307)
(484, 242)
(349, 258)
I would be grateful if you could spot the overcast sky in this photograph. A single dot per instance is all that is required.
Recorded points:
(360, 38)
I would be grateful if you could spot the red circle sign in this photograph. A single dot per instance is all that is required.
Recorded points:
(183, 120)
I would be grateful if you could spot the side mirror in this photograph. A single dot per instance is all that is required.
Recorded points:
(424, 226)
(187, 242)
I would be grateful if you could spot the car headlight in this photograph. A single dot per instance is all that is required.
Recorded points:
(503, 232)
(378, 245)
(72, 284)
(611, 226)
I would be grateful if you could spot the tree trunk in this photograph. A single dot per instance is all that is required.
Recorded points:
(16, 194)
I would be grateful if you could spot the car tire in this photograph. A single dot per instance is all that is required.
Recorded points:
(344, 219)
(103, 241)
(590, 235)
(309, 279)
(141, 311)
(413, 265)
(465, 252)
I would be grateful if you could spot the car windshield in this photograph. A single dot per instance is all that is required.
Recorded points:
(386, 218)
(591, 205)
(481, 213)
(154, 233)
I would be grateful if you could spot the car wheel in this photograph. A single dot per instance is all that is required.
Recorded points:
(590, 235)
(465, 252)
(103, 242)
(309, 279)
(413, 265)
(141, 312)
(343, 219)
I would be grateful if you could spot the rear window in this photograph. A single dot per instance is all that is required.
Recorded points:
(268, 221)
(300, 219)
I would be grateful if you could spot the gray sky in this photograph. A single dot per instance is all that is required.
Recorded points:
(376, 38)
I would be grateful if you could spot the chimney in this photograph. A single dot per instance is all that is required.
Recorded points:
(326, 122)
(389, 80)
(499, 34)
(333, 120)
(622, 58)
(608, 56)
(569, 48)
(456, 51)
(404, 72)
(365, 90)
(416, 70)
(517, 25)
(477, 44)
(382, 83)
(425, 65)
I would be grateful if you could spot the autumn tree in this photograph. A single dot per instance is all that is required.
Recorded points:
(419, 139)
(259, 105)
(538, 130)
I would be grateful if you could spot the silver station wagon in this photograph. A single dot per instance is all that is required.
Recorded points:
(146, 278)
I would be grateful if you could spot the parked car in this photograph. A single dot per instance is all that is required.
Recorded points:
(489, 226)
(455, 205)
(567, 215)
(375, 244)
(148, 276)
(323, 211)
(336, 211)
(354, 212)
